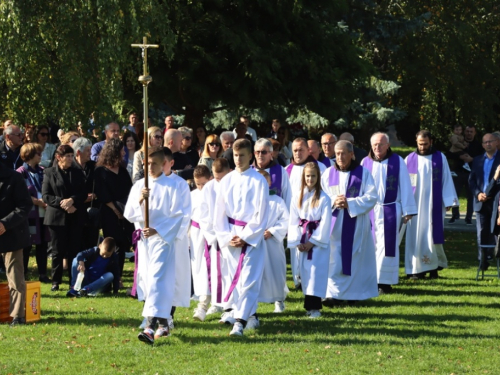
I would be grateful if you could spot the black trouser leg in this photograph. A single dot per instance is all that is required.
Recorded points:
(59, 245)
(312, 303)
(41, 258)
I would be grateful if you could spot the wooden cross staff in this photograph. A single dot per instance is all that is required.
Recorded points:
(145, 79)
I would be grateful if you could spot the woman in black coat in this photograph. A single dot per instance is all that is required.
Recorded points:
(112, 187)
(64, 192)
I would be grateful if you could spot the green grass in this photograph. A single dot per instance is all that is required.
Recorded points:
(444, 326)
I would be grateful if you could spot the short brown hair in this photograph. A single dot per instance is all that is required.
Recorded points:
(220, 165)
(156, 152)
(29, 150)
(241, 144)
(266, 175)
(276, 144)
(109, 244)
(201, 171)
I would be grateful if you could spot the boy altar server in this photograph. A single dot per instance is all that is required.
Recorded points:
(240, 222)
(200, 249)
(182, 294)
(156, 268)
(273, 288)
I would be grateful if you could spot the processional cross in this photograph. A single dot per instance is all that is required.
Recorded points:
(145, 79)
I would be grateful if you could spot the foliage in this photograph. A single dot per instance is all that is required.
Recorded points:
(66, 60)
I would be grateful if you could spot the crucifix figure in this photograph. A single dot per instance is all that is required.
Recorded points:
(145, 79)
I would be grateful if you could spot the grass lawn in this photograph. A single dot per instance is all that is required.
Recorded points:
(444, 326)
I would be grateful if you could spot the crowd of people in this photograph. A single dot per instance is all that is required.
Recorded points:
(222, 208)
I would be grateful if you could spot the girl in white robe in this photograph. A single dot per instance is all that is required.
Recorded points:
(312, 206)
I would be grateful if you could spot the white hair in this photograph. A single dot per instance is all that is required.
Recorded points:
(81, 144)
(344, 144)
(60, 132)
(106, 128)
(386, 136)
(227, 134)
(332, 135)
(264, 142)
(8, 130)
(185, 131)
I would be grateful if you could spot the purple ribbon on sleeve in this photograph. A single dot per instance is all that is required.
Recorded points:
(308, 227)
(206, 254)
(136, 237)
(390, 211)
(240, 261)
(349, 223)
(437, 192)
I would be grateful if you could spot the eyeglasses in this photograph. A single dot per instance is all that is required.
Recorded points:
(188, 138)
(328, 144)
(157, 137)
(264, 152)
(44, 134)
(214, 144)
(488, 142)
(20, 135)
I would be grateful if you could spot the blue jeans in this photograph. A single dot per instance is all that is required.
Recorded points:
(94, 287)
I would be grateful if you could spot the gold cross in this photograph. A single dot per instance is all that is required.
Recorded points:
(145, 47)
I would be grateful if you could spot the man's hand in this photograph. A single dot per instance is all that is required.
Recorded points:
(481, 197)
(81, 266)
(466, 158)
(67, 203)
(144, 195)
(188, 166)
(148, 232)
(2, 229)
(267, 235)
(341, 202)
(71, 210)
(305, 247)
(407, 218)
(237, 242)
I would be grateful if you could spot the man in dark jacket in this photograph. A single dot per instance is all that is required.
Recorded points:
(100, 266)
(15, 205)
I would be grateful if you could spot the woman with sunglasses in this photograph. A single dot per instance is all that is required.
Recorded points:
(48, 149)
(186, 145)
(212, 150)
(155, 140)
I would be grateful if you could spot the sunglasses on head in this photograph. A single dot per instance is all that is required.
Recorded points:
(214, 144)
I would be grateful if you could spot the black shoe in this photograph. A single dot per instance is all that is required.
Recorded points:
(331, 302)
(84, 292)
(72, 293)
(147, 336)
(433, 274)
(468, 221)
(298, 286)
(44, 279)
(55, 288)
(18, 322)
(452, 220)
(384, 289)
(417, 276)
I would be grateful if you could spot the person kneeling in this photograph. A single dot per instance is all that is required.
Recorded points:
(100, 266)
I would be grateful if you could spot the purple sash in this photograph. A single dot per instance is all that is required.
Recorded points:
(240, 261)
(276, 176)
(390, 211)
(136, 237)
(308, 227)
(219, 277)
(349, 223)
(437, 192)
(206, 254)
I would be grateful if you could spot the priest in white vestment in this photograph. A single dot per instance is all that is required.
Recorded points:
(395, 204)
(434, 194)
(353, 269)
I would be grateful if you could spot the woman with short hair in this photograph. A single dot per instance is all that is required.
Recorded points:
(64, 192)
(31, 154)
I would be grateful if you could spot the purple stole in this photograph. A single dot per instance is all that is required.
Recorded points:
(308, 227)
(291, 165)
(391, 194)
(240, 261)
(206, 254)
(437, 192)
(349, 223)
(276, 178)
(326, 161)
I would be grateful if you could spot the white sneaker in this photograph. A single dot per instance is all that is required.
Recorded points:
(279, 306)
(199, 314)
(227, 318)
(252, 323)
(214, 309)
(170, 323)
(144, 323)
(237, 329)
(314, 314)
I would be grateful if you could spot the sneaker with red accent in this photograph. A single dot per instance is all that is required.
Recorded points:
(147, 336)
(162, 332)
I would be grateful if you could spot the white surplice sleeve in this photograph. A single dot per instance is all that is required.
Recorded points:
(280, 218)
(253, 232)
(321, 236)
